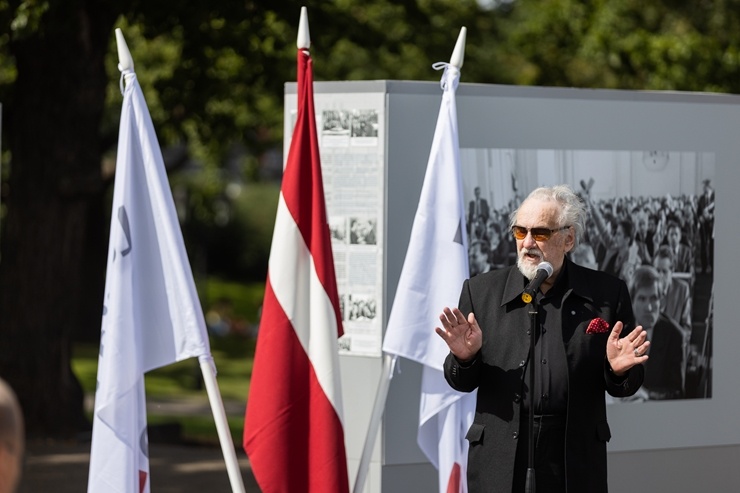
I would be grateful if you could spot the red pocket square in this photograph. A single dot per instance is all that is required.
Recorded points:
(597, 326)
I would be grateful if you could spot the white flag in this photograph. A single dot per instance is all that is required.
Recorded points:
(433, 273)
(152, 316)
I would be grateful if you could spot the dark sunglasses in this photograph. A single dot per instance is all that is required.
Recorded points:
(539, 234)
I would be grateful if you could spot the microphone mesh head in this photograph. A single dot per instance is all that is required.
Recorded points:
(546, 266)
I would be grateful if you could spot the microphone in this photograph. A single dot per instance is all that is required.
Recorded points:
(544, 270)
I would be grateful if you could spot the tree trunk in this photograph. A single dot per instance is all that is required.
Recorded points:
(55, 233)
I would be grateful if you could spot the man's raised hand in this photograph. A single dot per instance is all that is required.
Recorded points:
(463, 336)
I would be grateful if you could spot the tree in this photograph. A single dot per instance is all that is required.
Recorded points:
(217, 71)
(53, 238)
(625, 44)
(213, 74)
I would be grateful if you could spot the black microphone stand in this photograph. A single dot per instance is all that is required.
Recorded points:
(530, 486)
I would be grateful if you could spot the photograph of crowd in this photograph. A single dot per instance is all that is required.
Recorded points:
(650, 222)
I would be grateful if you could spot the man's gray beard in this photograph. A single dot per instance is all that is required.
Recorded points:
(529, 270)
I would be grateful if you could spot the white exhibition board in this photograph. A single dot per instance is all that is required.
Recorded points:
(555, 133)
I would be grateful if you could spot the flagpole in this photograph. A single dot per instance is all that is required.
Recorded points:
(389, 362)
(456, 60)
(125, 61)
(207, 366)
(303, 39)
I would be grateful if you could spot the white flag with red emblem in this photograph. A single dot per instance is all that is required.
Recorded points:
(433, 273)
(152, 316)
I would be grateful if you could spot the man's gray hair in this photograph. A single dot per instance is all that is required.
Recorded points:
(572, 208)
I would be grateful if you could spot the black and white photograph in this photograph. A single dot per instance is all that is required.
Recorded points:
(338, 229)
(364, 123)
(335, 122)
(360, 307)
(363, 231)
(650, 223)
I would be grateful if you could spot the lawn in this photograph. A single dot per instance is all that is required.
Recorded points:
(180, 385)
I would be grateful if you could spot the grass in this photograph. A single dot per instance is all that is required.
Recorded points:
(181, 382)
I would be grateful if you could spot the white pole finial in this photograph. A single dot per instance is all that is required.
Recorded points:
(458, 55)
(304, 37)
(125, 62)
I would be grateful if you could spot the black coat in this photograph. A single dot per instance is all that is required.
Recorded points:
(498, 373)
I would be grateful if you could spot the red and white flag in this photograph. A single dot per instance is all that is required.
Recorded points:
(433, 273)
(293, 432)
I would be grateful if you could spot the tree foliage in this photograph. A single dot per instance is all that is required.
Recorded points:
(625, 44)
